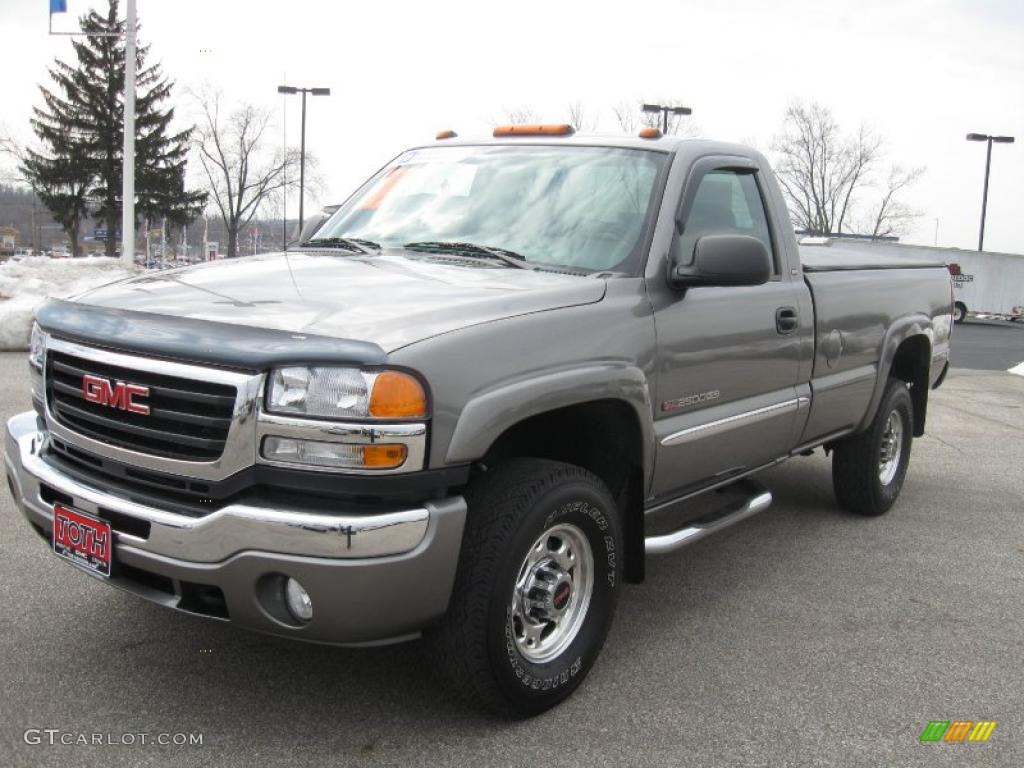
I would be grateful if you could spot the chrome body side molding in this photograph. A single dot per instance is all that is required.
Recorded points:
(731, 422)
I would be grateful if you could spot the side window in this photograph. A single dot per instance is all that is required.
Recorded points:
(726, 202)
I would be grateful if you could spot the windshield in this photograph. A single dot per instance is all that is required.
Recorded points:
(580, 207)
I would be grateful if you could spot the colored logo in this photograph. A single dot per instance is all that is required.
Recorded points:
(116, 394)
(958, 730)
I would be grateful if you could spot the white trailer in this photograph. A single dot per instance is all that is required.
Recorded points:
(985, 283)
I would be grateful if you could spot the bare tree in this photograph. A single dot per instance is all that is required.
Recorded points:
(242, 169)
(581, 118)
(820, 170)
(521, 115)
(891, 216)
(627, 114)
(10, 150)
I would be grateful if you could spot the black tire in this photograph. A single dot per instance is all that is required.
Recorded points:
(510, 508)
(959, 312)
(856, 470)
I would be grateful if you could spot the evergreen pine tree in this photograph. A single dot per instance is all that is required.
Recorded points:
(63, 173)
(91, 111)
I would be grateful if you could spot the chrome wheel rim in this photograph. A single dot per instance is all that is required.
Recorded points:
(891, 448)
(552, 593)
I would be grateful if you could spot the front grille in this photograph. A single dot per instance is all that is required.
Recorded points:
(171, 492)
(188, 419)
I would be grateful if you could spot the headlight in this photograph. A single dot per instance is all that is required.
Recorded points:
(37, 347)
(340, 393)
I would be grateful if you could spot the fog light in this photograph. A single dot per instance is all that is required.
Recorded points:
(323, 454)
(297, 600)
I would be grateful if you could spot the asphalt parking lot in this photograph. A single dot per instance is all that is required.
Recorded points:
(802, 637)
(988, 345)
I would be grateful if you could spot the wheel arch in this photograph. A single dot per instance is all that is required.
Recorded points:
(963, 306)
(607, 436)
(907, 356)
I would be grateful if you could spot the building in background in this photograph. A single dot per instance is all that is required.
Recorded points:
(9, 239)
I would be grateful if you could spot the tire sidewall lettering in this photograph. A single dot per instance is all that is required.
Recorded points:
(559, 672)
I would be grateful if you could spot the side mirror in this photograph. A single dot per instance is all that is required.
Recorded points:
(724, 260)
(312, 225)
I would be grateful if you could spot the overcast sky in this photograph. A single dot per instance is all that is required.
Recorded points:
(922, 73)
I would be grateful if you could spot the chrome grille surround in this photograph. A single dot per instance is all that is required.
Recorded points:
(239, 445)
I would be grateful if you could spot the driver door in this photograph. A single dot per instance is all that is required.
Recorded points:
(727, 368)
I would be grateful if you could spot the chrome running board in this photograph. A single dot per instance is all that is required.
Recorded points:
(759, 500)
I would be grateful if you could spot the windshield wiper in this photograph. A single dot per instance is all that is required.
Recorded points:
(354, 244)
(470, 250)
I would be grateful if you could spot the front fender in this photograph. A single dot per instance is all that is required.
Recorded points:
(488, 414)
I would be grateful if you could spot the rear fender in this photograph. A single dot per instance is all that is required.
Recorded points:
(899, 331)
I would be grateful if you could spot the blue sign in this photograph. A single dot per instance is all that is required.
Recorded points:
(58, 6)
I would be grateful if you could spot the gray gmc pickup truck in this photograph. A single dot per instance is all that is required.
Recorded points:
(460, 408)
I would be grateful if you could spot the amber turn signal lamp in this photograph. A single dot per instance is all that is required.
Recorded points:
(397, 395)
(446, 134)
(384, 456)
(650, 133)
(563, 129)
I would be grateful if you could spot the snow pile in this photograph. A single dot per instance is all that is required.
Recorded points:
(24, 284)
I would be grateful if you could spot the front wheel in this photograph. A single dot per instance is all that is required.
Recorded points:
(535, 589)
(868, 469)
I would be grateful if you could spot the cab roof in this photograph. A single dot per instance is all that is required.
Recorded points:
(666, 144)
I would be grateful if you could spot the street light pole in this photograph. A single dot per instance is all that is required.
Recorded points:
(988, 164)
(665, 112)
(984, 195)
(290, 89)
(302, 163)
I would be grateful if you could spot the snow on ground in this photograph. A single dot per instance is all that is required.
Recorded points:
(25, 283)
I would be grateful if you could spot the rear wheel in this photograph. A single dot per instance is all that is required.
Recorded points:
(959, 312)
(535, 589)
(868, 469)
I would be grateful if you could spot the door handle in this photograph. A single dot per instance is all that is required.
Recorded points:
(786, 320)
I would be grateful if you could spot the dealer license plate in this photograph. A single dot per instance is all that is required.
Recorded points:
(84, 540)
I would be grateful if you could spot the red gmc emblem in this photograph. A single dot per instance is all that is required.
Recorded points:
(116, 394)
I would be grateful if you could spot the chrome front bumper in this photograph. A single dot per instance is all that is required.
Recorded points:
(372, 577)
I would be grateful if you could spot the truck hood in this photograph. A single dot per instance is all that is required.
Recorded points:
(391, 299)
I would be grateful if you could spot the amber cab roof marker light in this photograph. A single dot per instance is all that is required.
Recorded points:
(446, 134)
(560, 129)
(650, 133)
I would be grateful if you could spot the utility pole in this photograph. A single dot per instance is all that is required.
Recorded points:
(665, 112)
(33, 220)
(128, 171)
(988, 164)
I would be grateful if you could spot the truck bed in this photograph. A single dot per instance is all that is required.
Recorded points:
(862, 302)
(850, 256)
